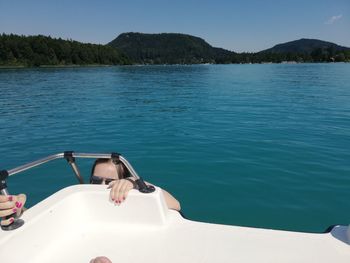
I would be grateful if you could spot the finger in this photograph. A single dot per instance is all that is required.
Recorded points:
(19, 201)
(112, 194)
(5, 198)
(114, 190)
(7, 205)
(118, 191)
(127, 192)
(8, 221)
(127, 187)
(22, 198)
(7, 212)
(19, 206)
(123, 189)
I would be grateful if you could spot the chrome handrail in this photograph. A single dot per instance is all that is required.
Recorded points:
(74, 155)
(70, 157)
(35, 163)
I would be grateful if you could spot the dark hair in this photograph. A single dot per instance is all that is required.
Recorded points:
(123, 172)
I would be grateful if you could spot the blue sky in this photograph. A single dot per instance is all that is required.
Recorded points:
(249, 25)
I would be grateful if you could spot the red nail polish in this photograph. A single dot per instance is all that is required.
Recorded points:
(11, 220)
(10, 198)
(14, 210)
(18, 204)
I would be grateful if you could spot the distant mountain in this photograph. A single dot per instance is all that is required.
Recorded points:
(168, 48)
(305, 46)
(171, 48)
(165, 48)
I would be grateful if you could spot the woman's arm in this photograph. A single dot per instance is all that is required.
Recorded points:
(120, 189)
(171, 202)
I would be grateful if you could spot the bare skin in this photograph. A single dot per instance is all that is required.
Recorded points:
(100, 260)
(121, 187)
(10, 204)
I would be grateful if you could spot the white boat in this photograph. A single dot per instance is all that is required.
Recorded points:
(78, 223)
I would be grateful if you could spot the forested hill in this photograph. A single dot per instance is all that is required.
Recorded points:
(42, 50)
(168, 48)
(306, 46)
(305, 50)
(165, 48)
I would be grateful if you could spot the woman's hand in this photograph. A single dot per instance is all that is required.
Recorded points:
(120, 189)
(10, 204)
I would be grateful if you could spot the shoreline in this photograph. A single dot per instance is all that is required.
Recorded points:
(104, 65)
(56, 66)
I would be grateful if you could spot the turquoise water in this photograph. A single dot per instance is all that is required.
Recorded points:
(253, 145)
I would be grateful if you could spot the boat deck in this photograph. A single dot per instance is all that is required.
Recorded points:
(77, 224)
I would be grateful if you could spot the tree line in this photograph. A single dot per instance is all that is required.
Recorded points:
(316, 56)
(41, 50)
(136, 48)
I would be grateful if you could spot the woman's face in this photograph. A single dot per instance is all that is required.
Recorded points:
(106, 171)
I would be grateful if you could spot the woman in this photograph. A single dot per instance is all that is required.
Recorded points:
(118, 178)
(104, 171)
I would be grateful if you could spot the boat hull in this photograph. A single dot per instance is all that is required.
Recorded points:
(78, 223)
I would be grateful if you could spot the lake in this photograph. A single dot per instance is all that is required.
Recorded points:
(252, 145)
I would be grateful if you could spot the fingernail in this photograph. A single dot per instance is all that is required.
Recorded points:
(11, 220)
(18, 204)
(10, 198)
(14, 210)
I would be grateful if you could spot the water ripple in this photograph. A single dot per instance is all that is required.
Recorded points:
(257, 145)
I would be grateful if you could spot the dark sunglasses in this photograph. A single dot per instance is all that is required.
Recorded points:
(99, 180)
